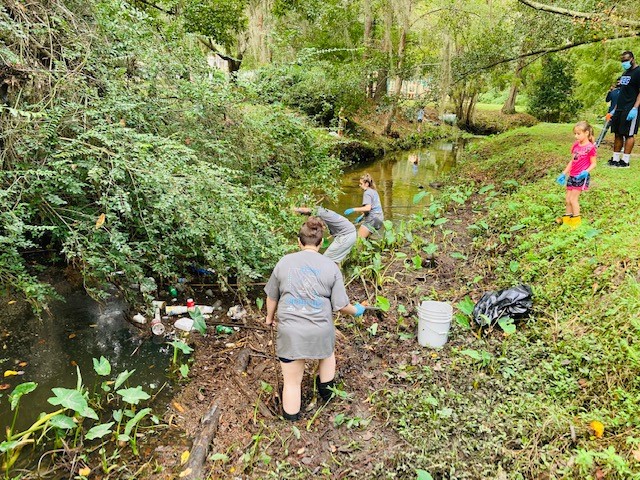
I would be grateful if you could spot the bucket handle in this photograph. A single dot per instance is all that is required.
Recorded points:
(436, 332)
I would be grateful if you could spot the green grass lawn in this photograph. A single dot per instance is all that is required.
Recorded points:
(497, 107)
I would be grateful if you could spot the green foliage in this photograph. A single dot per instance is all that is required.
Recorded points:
(56, 425)
(317, 88)
(551, 97)
(221, 20)
(138, 160)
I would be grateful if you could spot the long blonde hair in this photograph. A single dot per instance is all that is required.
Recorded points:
(584, 126)
(369, 179)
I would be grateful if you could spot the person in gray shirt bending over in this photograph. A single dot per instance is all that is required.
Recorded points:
(341, 229)
(306, 288)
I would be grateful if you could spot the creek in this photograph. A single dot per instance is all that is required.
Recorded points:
(398, 177)
(46, 351)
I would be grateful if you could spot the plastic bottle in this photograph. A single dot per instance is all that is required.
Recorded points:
(173, 292)
(191, 305)
(224, 329)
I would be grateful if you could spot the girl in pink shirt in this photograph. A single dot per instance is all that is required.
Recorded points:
(583, 152)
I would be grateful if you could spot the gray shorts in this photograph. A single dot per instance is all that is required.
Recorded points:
(340, 247)
(373, 224)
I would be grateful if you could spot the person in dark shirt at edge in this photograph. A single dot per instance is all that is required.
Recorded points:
(624, 122)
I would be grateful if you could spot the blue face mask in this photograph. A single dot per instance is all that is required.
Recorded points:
(626, 65)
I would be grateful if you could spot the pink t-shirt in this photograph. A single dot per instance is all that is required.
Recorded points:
(582, 155)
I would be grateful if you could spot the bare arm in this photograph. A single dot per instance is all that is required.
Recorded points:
(364, 208)
(349, 309)
(272, 305)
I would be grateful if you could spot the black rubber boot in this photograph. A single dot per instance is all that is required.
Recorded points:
(291, 417)
(324, 389)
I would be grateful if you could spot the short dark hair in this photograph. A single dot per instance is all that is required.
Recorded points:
(311, 232)
(627, 52)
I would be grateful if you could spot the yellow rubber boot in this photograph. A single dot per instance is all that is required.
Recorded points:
(575, 222)
(563, 220)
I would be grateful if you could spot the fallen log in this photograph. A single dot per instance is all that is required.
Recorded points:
(193, 470)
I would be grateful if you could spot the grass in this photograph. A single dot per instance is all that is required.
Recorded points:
(528, 412)
(492, 107)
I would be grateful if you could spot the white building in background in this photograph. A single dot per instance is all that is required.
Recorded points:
(215, 61)
(410, 88)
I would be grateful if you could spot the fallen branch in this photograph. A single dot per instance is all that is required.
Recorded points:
(195, 465)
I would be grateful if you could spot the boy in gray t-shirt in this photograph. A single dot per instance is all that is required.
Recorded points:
(305, 288)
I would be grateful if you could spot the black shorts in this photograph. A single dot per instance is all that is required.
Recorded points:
(574, 184)
(621, 126)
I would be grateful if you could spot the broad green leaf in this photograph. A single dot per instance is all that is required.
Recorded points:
(466, 305)
(180, 345)
(123, 438)
(184, 370)
(117, 415)
(99, 431)
(89, 413)
(507, 324)
(419, 196)
(431, 248)
(592, 232)
(458, 255)
(513, 266)
(133, 395)
(383, 303)
(214, 457)
(134, 421)
(373, 329)
(472, 353)
(68, 398)
(122, 377)
(62, 421)
(102, 366)
(198, 321)
(423, 475)
(462, 320)
(440, 221)
(515, 228)
(259, 302)
(296, 432)
(19, 391)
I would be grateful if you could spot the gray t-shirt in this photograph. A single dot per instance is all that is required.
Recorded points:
(371, 197)
(337, 224)
(308, 287)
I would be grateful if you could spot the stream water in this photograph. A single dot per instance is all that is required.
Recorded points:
(47, 350)
(398, 177)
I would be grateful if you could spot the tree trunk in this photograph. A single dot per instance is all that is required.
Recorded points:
(509, 106)
(367, 39)
(398, 86)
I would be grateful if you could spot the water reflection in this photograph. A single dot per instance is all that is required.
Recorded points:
(47, 350)
(399, 176)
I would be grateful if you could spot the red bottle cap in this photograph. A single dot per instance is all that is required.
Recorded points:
(190, 303)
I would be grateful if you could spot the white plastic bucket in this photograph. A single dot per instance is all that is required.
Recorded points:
(434, 322)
